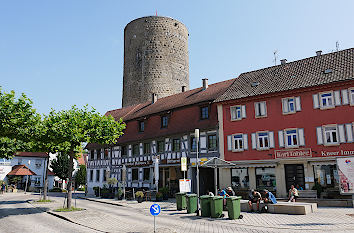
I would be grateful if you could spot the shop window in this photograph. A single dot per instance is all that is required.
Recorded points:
(237, 143)
(204, 113)
(326, 100)
(212, 143)
(146, 148)
(92, 154)
(146, 174)
(141, 126)
(91, 175)
(260, 109)
(135, 150)
(98, 175)
(160, 146)
(104, 175)
(164, 121)
(135, 174)
(176, 145)
(263, 141)
(193, 144)
(124, 151)
(291, 139)
(240, 179)
(331, 135)
(265, 178)
(106, 152)
(327, 176)
(238, 112)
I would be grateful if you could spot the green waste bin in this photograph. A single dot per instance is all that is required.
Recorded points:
(233, 207)
(181, 201)
(191, 203)
(216, 206)
(205, 205)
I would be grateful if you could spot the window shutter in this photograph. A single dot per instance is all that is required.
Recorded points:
(349, 129)
(243, 111)
(319, 135)
(285, 105)
(229, 142)
(256, 108)
(341, 133)
(254, 141)
(297, 104)
(337, 98)
(345, 99)
(233, 113)
(271, 139)
(301, 137)
(245, 142)
(316, 103)
(263, 108)
(281, 138)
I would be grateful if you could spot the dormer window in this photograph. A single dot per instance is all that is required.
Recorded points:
(141, 126)
(204, 113)
(164, 121)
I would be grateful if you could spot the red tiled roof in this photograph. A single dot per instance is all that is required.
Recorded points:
(20, 170)
(32, 154)
(81, 159)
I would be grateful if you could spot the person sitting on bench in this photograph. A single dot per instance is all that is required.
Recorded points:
(254, 197)
(269, 197)
(293, 194)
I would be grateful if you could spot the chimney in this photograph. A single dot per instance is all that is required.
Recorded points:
(154, 98)
(184, 88)
(319, 53)
(205, 83)
(283, 61)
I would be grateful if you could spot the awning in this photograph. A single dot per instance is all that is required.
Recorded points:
(255, 165)
(328, 162)
(216, 162)
(20, 170)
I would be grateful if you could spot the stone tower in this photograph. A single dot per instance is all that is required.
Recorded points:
(155, 59)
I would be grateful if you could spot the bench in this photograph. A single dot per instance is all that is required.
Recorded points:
(299, 208)
(307, 193)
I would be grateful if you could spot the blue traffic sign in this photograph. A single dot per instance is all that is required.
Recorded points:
(155, 209)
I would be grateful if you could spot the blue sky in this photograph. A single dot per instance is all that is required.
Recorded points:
(62, 53)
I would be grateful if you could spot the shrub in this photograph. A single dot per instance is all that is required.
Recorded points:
(81, 189)
(55, 189)
(159, 195)
(139, 194)
(163, 190)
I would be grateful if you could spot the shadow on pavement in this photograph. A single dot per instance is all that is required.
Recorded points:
(11, 202)
(6, 212)
(308, 224)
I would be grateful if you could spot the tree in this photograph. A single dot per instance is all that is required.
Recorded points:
(70, 129)
(80, 177)
(60, 166)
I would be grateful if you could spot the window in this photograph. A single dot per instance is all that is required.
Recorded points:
(160, 146)
(351, 96)
(124, 151)
(37, 181)
(91, 175)
(238, 112)
(193, 144)
(98, 153)
(289, 105)
(326, 100)
(260, 109)
(331, 135)
(176, 146)
(204, 113)
(38, 163)
(240, 179)
(263, 140)
(135, 150)
(19, 161)
(146, 173)
(141, 126)
(291, 138)
(106, 151)
(98, 175)
(92, 154)
(104, 174)
(164, 121)
(238, 142)
(327, 176)
(146, 148)
(265, 178)
(212, 144)
(135, 173)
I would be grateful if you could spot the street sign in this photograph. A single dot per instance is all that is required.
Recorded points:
(185, 185)
(183, 163)
(155, 209)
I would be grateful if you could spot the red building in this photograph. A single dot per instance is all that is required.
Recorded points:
(286, 124)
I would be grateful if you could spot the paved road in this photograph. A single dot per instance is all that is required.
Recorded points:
(17, 215)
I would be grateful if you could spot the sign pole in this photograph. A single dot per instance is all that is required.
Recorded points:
(196, 135)
(154, 224)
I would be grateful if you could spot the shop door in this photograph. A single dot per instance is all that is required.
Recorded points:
(206, 179)
(294, 175)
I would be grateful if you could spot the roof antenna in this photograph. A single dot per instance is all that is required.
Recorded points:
(275, 53)
(337, 46)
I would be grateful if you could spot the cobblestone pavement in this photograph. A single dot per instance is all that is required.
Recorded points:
(120, 216)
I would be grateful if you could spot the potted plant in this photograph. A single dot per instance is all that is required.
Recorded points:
(159, 196)
(164, 191)
(119, 194)
(139, 195)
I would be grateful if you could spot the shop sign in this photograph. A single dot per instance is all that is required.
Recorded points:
(170, 161)
(138, 163)
(292, 153)
(184, 164)
(346, 174)
(337, 153)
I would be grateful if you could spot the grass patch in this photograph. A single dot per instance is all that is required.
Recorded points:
(44, 201)
(68, 210)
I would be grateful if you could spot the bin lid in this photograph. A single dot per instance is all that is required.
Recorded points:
(217, 197)
(181, 193)
(191, 195)
(234, 197)
(205, 197)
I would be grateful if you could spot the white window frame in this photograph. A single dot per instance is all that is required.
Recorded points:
(286, 101)
(263, 138)
(286, 138)
(331, 98)
(258, 108)
(332, 143)
(233, 112)
(351, 96)
(238, 139)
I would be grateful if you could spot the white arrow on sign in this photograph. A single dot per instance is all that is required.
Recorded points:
(156, 209)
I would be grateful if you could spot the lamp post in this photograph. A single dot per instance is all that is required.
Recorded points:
(196, 136)
(29, 162)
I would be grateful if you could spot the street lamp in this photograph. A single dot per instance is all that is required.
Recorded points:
(196, 136)
(29, 162)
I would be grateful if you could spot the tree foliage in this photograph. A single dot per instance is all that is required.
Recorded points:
(60, 166)
(80, 177)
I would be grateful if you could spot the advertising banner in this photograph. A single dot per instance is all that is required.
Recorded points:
(345, 168)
